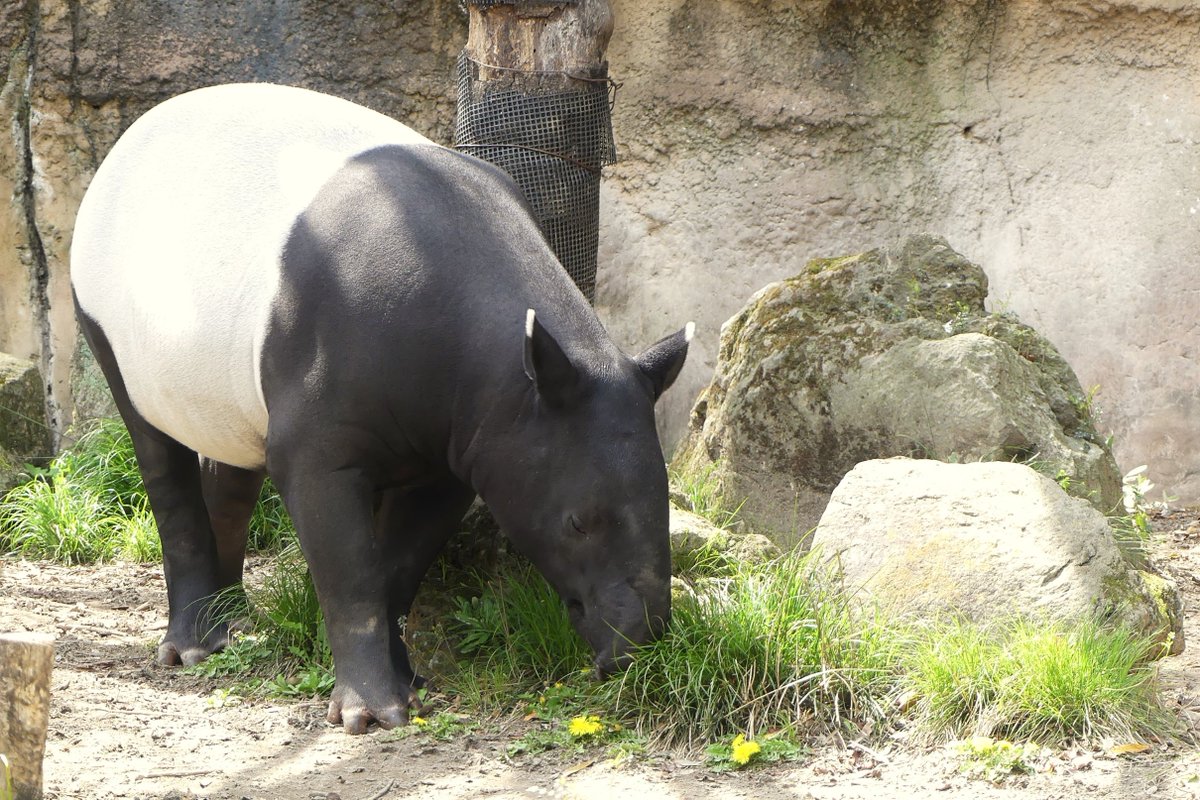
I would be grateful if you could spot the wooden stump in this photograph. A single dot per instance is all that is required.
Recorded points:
(26, 660)
(537, 45)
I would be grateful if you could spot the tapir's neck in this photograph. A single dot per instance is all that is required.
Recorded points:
(477, 431)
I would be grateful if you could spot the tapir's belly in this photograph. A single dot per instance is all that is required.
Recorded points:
(177, 248)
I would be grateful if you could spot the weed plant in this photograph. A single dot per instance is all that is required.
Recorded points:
(516, 633)
(997, 760)
(441, 727)
(738, 753)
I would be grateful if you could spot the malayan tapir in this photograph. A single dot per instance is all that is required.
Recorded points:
(276, 281)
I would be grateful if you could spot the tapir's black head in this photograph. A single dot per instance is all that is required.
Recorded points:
(584, 495)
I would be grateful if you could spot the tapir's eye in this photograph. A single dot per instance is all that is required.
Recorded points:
(575, 524)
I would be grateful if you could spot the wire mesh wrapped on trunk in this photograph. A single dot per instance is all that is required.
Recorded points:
(552, 132)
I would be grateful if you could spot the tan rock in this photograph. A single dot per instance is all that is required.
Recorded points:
(987, 541)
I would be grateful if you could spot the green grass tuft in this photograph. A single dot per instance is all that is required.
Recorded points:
(757, 649)
(1082, 682)
(287, 652)
(782, 646)
(953, 672)
(1032, 680)
(772, 646)
(90, 505)
(702, 491)
(7, 792)
(49, 519)
(287, 612)
(271, 528)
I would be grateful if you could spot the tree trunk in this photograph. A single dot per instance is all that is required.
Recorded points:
(534, 100)
(26, 660)
(541, 38)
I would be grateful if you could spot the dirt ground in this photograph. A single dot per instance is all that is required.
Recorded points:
(123, 727)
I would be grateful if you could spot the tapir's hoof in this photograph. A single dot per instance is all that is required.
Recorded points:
(170, 656)
(172, 653)
(356, 715)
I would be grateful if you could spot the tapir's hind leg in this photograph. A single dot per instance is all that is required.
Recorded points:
(191, 561)
(230, 494)
(171, 473)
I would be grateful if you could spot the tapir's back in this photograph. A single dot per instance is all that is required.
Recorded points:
(177, 247)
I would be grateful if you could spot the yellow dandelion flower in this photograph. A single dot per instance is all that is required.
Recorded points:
(419, 721)
(585, 726)
(742, 750)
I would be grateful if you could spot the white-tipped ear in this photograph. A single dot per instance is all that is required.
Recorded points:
(530, 322)
(552, 373)
(662, 361)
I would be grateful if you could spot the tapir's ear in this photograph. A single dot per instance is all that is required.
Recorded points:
(553, 374)
(663, 360)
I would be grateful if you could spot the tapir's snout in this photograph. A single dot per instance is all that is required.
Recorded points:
(607, 665)
(633, 618)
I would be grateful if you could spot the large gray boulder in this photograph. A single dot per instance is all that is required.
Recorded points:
(887, 353)
(24, 435)
(986, 540)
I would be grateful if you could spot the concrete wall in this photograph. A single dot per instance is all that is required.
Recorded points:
(1052, 143)
(1055, 144)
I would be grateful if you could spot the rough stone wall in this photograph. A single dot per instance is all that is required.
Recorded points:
(19, 308)
(1052, 143)
(80, 71)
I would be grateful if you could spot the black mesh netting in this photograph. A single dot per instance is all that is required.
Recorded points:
(553, 143)
(486, 3)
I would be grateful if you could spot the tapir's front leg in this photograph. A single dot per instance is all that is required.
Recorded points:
(332, 510)
(413, 525)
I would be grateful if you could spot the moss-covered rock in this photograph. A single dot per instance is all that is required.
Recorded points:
(886, 353)
(24, 435)
(694, 538)
(1147, 601)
